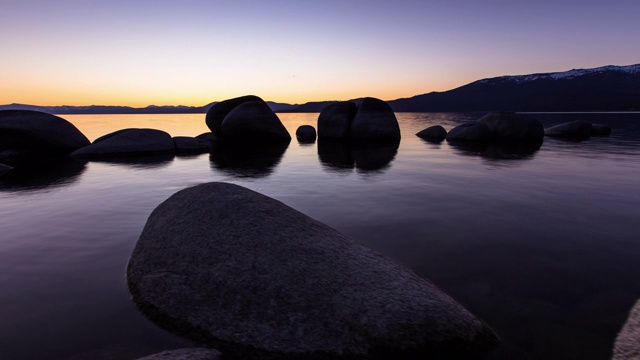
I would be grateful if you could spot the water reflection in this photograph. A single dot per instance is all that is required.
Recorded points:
(139, 162)
(365, 156)
(247, 160)
(499, 150)
(40, 175)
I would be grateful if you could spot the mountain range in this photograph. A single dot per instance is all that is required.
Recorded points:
(607, 88)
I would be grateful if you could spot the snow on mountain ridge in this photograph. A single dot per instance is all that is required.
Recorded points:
(630, 69)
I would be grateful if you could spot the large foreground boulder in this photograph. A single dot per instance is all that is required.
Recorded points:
(374, 120)
(254, 121)
(219, 111)
(229, 266)
(335, 119)
(577, 130)
(129, 142)
(509, 125)
(627, 346)
(38, 132)
(186, 354)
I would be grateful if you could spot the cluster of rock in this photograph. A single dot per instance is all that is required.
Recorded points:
(577, 130)
(243, 272)
(370, 119)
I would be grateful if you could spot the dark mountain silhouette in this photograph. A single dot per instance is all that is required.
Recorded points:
(607, 88)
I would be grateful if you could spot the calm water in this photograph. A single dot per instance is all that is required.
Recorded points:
(543, 244)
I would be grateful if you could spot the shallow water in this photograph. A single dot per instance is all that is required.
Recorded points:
(543, 244)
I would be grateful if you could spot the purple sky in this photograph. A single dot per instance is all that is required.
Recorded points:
(194, 52)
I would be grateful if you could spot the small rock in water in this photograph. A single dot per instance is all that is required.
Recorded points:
(306, 133)
(578, 130)
(435, 133)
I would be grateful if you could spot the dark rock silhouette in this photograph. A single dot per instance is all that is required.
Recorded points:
(374, 120)
(471, 131)
(219, 111)
(186, 354)
(434, 133)
(186, 145)
(247, 160)
(35, 134)
(335, 119)
(576, 130)
(224, 264)
(600, 130)
(253, 121)
(627, 345)
(208, 137)
(128, 142)
(306, 134)
(508, 125)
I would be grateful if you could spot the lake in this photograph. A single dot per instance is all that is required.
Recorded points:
(542, 243)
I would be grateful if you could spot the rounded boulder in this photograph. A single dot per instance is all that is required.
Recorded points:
(374, 119)
(578, 130)
(433, 133)
(254, 121)
(129, 142)
(39, 132)
(335, 119)
(306, 133)
(219, 111)
(471, 131)
(223, 264)
(509, 125)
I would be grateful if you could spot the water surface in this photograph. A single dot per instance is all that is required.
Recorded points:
(541, 243)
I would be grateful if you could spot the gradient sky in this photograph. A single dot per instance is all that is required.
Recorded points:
(192, 52)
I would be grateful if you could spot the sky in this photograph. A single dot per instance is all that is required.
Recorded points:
(193, 52)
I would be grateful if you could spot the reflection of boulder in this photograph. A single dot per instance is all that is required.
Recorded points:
(186, 145)
(306, 134)
(128, 142)
(576, 130)
(335, 155)
(246, 159)
(374, 119)
(499, 149)
(186, 354)
(469, 147)
(509, 125)
(627, 345)
(37, 175)
(335, 119)
(434, 133)
(38, 133)
(374, 156)
(226, 265)
(218, 111)
(138, 161)
(470, 131)
(600, 130)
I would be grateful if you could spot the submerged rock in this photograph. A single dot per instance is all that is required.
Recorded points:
(578, 130)
(254, 121)
(4, 168)
(471, 131)
(509, 125)
(374, 119)
(433, 133)
(600, 130)
(306, 133)
(219, 111)
(186, 145)
(186, 354)
(226, 265)
(627, 345)
(335, 119)
(129, 142)
(38, 133)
